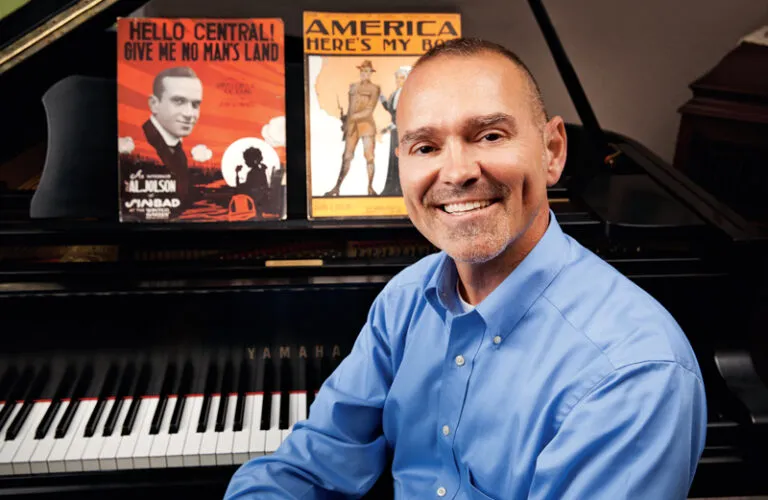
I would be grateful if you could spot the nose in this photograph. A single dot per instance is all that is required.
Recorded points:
(459, 168)
(188, 110)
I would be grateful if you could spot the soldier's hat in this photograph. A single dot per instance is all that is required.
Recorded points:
(366, 65)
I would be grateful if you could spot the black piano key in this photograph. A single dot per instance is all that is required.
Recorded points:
(168, 383)
(29, 400)
(211, 384)
(123, 390)
(184, 388)
(15, 394)
(269, 386)
(285, 388)
(77, 393)
(226, 387)
(242, 391)
(140, 390)
(64, 387)
(107, 390)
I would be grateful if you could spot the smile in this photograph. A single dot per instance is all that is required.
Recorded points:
(458, 208)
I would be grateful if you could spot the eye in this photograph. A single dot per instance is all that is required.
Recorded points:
(425, 150)
(492, 136)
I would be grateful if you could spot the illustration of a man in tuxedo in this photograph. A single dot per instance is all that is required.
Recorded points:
(175, 106)
(392, 184)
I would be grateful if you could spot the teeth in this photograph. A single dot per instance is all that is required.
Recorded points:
(465, 207)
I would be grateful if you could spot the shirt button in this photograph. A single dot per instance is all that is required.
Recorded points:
(497, 340)
(441, 492)
(460, 360)
(446, 430)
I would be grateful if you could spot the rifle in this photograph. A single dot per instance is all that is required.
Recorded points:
(342, 116)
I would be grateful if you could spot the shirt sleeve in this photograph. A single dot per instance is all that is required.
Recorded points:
(638, 434)
(340, 449)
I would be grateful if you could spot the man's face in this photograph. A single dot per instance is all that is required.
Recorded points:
(178, 108)
(365, 75)
(474, 161)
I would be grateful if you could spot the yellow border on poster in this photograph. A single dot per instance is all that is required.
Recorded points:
(385, 206)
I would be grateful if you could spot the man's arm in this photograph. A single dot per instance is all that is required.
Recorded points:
(638, 433)
(340, 448)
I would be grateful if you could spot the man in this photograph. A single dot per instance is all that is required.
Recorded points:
(175, 106)
(514, 364)
(392, 184)
(359, 125)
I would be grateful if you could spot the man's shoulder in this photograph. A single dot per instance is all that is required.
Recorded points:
(615, 316)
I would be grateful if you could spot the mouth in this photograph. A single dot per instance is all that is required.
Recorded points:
(466, 207)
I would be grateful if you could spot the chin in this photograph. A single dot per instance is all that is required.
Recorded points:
(476, 252)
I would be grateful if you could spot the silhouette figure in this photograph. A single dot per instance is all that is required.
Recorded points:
(255, 184)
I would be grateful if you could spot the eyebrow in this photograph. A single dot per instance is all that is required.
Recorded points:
(471, 124)
(419, 134)
(483, 121)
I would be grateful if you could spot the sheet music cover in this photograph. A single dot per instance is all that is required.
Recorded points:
(201, 120)
(355, 65)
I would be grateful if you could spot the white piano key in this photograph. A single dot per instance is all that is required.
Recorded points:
(191, 457)
(72, 460)
(96, 442)
(108, 453)
(226, 437)
(10, 448)
(145, 439)
(301, 413)
(175, 452)
(210, 436)
(124, 455)
(163, 437)
(62, 444)
(23, 456)
(257, 441)
(38, 462)
(274, 435)
(242, 438)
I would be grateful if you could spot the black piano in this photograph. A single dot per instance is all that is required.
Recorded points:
(155, 358)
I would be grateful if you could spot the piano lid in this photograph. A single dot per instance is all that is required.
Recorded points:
(40, 23)
(623, 182)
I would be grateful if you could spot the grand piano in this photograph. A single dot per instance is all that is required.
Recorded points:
(155, 358)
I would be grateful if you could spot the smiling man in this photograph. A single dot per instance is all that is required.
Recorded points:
(513, 364)
(177, 95)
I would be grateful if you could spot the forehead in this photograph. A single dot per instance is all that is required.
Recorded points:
(182, 85)
(451, 89)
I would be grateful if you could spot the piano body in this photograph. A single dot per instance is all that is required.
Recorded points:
(153, 359)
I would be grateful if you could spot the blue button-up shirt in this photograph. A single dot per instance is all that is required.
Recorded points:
(567, 382)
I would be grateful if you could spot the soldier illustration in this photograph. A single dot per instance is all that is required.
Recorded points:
(359, 124)
(392, 184)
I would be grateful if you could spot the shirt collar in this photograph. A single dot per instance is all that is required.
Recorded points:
(169, 139)
(506, 305)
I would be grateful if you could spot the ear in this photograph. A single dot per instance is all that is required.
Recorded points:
(153, 101)
(556, 149)
(397, 151)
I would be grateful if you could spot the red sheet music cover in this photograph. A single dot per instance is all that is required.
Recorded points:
(201, 119)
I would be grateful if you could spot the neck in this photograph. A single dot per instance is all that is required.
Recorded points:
(477, 281)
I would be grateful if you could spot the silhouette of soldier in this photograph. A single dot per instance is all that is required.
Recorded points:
(359, 124)
(255, 184)
(392, 184)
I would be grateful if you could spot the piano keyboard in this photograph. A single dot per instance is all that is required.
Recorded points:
(145, 412)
